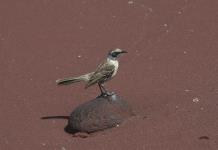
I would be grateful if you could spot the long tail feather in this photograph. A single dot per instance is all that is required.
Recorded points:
(67, 81)
(70, 80)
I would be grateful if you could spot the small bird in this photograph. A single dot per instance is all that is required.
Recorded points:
(104, 72)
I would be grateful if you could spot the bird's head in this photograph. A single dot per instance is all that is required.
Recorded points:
(116, 53)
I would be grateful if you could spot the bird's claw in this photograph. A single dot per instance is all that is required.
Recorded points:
(105, 94)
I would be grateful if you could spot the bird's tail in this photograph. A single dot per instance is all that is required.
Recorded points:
(71, 80)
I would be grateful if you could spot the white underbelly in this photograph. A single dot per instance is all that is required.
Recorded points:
(116, 65)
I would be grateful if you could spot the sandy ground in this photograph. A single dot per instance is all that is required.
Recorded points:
(169, 76)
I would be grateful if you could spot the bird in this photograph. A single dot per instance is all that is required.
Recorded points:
(104, 72)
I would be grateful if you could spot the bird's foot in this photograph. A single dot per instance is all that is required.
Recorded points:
(105, 94)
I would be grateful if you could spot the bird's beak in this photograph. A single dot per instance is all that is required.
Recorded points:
(124, 52)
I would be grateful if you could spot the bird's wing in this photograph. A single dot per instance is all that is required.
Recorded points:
(103, 72)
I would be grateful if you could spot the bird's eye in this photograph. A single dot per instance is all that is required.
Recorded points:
(114, 54)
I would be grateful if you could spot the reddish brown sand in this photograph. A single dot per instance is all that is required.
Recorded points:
(169, 76)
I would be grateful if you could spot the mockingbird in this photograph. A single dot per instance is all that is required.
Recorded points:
(104, 72)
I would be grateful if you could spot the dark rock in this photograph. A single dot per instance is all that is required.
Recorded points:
(203, 138)
(98, 114)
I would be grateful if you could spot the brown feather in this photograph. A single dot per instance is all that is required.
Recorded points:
(102, 74)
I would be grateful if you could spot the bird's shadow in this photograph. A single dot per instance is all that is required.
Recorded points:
(67, 128)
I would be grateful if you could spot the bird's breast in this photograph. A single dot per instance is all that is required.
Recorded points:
(115, 63)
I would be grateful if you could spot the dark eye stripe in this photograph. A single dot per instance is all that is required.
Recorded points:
(114, 54)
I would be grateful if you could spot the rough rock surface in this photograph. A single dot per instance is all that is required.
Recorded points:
(98, 114)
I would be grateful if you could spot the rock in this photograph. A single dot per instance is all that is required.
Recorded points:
(98, 114)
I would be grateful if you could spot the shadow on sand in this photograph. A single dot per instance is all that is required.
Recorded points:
(67, 129)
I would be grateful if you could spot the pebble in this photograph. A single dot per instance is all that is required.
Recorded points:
(165, 25)
(130, 2)
(79, 56)
(179, 12)
(63, 148)
(195, 100)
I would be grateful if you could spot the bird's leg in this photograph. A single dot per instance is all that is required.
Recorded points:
(105, 92)
(100, 87)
